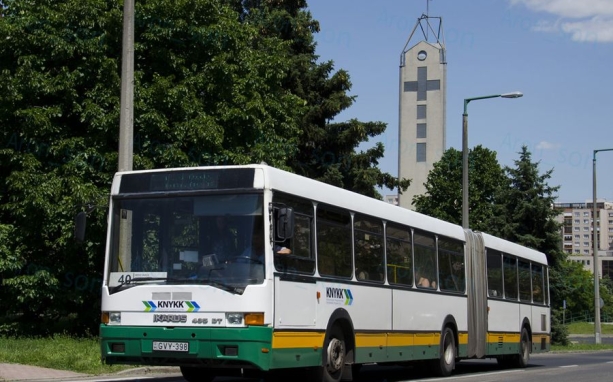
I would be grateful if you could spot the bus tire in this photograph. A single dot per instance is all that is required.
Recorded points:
(196, 374)
(335, 352)
(445, 365)
(522, 359)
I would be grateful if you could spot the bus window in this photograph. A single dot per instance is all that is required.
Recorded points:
(538, 297)
(333, 242)
(220, 237)
(302, 259)
(546, 284)
(425, 260)
(368, 245)
(494, 273)
(451, 265)
(399, 255)
(525, 290)
(510, 277)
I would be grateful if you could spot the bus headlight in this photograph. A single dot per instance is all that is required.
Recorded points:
(115, 317)
(234, 318)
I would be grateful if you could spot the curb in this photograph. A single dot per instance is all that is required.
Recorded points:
(150, 370)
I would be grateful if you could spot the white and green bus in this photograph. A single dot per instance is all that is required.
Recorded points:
(239, 270)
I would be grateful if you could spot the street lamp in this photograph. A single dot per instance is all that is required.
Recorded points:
(465, 150)
(595, 250)
(126, 118)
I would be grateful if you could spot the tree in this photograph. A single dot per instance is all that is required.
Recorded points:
(574, 284)
(216, 82)
(443, 197)
(524, 213)
(326, 151)
(208, 90)
(570, 283)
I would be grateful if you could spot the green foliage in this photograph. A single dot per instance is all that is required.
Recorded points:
(559, 331)
(216, 82)
(443, 197)
(524, 214)
(208, 90)
(325, 151)
(58, 352)
(606, 294)
(569, 281)
(588, 328)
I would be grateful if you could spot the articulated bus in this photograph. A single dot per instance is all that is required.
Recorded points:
(249, 270)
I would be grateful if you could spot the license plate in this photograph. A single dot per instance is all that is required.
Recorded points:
(170, 346)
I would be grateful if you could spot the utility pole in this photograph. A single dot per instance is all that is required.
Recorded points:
(126, 119)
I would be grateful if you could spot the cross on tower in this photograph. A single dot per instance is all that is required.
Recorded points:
(422, 85)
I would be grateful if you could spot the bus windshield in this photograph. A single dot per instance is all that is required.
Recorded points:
(207, 239)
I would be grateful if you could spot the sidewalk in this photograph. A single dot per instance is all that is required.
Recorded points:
(17, 372)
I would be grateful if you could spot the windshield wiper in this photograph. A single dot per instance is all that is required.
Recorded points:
(222, 286)
(140, 280)
(148, 279)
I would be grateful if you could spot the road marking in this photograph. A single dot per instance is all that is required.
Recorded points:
(570, 366)
(472, 375)
(114, 379)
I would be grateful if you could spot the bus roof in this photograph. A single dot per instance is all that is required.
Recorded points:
(321, 192)
(506, 246)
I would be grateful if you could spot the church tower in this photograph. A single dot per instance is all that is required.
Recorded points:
(422, 111)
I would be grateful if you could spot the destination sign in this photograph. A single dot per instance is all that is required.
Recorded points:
(184, 180)
(188, 179)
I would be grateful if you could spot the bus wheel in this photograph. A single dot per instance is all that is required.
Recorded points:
(522, 359)
(446, 363)
(196, 374)
(335, 352)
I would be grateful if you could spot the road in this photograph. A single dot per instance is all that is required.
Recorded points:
(550, 367)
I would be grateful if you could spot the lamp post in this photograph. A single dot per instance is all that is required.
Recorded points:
(595, 250)
(465, 149)
(125, 157)
(126, 118)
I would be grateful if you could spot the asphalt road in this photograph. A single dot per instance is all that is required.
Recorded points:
(594, 366)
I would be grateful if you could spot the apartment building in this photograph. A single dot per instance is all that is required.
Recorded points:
(577, 233)
(391, 199)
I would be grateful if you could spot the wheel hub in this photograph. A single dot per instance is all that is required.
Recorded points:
(336, 355)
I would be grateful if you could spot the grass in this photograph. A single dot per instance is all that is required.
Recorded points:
(585, 328)
(588, 328)
(60, 352)
(83, 355)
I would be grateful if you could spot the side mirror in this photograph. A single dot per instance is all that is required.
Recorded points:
(285, 223)
(79, 227)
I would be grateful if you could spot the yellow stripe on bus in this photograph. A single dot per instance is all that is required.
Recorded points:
(503, 337)
(286, 340)
(370, 339)
(400, 339)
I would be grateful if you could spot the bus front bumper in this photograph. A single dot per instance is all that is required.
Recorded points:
(249, 347)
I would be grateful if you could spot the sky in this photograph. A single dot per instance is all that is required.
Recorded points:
(558, 53)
